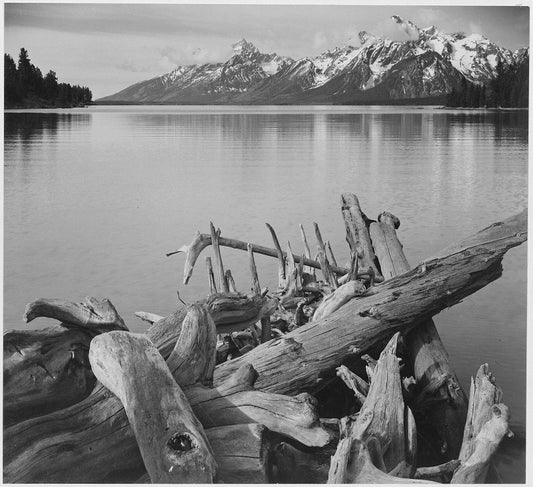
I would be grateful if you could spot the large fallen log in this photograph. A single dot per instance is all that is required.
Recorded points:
(46, 370)
(299, 359)
(172, 441)
(100, 443)
(445, 413)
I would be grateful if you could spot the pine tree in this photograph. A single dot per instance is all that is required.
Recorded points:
(11, 91)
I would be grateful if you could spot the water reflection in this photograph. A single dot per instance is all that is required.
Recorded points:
(21, 130)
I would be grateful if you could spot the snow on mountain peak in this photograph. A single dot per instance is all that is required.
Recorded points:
(243, 46)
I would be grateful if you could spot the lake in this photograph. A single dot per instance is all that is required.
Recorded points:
(95, 197)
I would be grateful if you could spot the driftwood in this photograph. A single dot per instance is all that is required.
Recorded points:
(359, 386)
(332, 302)
(307, 251)
(390, 420)
(385, 423)
(92, 441)
(203, 240)
(97, 315)
(446, 413)
(357, 232)
(149, 317)
(230, 312)
(46, 370)
(487, 424)
(325, 266)
(296, 361)
(100, 443)
(243, 452)
(360, 469)
(293, 466)
(172, 441)
(282, 268)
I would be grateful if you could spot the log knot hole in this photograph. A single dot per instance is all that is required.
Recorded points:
(181, 442)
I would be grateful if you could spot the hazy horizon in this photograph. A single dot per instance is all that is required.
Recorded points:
(108, 47)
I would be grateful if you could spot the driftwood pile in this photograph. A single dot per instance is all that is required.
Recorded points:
(220, 390)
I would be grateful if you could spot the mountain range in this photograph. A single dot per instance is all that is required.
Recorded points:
(425, 67)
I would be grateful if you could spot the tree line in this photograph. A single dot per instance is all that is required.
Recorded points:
(25, 86)
(509, 89)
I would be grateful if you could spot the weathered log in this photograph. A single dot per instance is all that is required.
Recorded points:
(487, 424)
(203, 240)
(296, 361)
(388, 414)
(293, 416)
(96, 315)
(45, 370)
(388, 248)
(352, 464)
(293, 466)
(230, 312)
(357, 232)
(431, 367)
(332, 302)
(100, 443)
(172, 441)
(243, 453)
(149, 317)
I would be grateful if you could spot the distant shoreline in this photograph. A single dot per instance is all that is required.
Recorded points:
(220, 105)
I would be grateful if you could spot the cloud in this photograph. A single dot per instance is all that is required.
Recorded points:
(474, 28)
(319, 40)
(429, 16)
(132, 67)
(406, 26)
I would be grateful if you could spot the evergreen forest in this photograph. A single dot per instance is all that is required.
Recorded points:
(509, 89)
(25, 87)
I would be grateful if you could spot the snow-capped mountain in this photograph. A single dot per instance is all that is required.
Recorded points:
(429, 64)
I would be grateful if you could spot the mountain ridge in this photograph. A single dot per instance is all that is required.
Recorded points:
(429, 64)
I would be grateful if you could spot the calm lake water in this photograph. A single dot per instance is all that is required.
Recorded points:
(94, 198)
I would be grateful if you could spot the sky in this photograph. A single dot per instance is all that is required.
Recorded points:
(108, 47)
